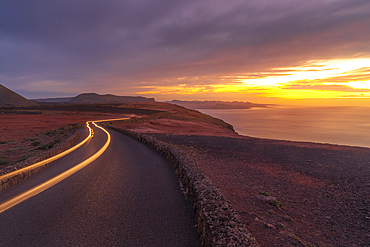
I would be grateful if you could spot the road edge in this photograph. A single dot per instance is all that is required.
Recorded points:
(218, 223)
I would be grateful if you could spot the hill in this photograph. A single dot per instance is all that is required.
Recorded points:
(93, 98)
(216, 104)
(52, 100)
(8, 97)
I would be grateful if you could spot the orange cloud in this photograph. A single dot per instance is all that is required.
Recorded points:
(323, 79)
(322, 87)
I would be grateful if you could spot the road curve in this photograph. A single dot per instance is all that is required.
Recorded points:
(129, 196)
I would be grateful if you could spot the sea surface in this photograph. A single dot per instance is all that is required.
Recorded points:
(335, 125)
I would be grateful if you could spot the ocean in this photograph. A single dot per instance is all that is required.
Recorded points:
(335, 125)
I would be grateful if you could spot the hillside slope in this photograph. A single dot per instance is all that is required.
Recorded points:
(8, 97)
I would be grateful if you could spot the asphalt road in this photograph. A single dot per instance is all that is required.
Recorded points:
(129, 196)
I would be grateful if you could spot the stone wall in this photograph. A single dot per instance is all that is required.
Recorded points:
(10, 181)
(218, 222)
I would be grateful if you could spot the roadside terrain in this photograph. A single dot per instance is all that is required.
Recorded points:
(29, 130)
(287, 193)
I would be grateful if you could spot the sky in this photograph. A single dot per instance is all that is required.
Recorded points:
(263, 51)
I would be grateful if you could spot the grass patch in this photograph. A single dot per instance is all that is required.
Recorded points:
(22, 158)
(52, 132)
(264, 193)
(61, 130)
(14, 149)
(47, 145)
(42, 147)
(277, 204)
(4, 161)
(31, 138)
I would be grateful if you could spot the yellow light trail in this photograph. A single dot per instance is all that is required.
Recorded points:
(106, 120)
(46, 185)
(44, 162)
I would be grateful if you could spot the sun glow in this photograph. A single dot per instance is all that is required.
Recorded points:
(359, 84)
(314, 79)
(315, 70)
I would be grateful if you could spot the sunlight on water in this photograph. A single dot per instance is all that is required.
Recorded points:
(336, 125)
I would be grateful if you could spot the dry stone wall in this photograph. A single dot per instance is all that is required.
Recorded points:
(218, 222)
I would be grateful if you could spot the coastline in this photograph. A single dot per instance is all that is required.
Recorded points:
(337, 125)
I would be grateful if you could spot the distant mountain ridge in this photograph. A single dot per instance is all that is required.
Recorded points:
(53, 100)
(9, 97)
(94, 98)
(216, 104)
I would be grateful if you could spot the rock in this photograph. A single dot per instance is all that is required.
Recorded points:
(265, 198)
(270, 226)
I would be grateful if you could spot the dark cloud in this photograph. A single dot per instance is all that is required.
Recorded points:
(68, 45)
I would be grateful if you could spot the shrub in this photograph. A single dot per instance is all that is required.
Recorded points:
(277, 204)
(52, 132)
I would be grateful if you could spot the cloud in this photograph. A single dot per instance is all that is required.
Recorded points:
(341, 88)
(117, 45)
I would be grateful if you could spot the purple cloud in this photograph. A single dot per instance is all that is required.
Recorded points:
(117, 45)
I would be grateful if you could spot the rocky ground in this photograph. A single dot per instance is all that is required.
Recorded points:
(289, 194)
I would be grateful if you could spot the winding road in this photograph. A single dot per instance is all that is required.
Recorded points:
(128, 196)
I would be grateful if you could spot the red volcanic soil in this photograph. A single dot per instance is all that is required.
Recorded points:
(320, 193)
(176, 119)
(180, 127)
(154, 106)
(16, 127)
(28, 130)
(23, 136)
